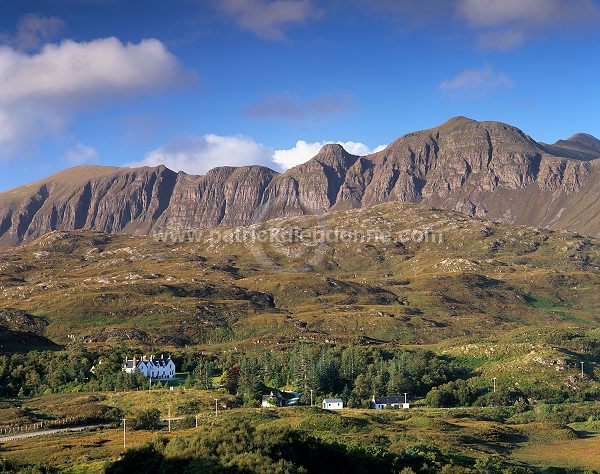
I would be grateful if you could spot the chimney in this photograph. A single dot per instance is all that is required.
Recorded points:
(134, 361)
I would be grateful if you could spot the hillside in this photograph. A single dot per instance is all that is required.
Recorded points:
(484, 169)
(379, 281)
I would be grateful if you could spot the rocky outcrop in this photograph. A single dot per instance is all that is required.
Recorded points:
(486, 169)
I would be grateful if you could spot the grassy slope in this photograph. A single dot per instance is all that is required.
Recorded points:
(482, 280)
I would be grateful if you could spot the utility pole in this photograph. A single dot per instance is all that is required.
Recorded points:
(494, 379)
(169, 418)
(124, 439)
(216, 407)
(582, 374)
(150, 384)
(311, 397)
(196, 420)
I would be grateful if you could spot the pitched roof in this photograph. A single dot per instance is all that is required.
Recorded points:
(388, 400)
(151, 362)
(333, 400)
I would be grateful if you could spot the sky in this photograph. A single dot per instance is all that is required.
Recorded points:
(195, 84)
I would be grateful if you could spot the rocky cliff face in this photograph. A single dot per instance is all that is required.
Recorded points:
(486, 169)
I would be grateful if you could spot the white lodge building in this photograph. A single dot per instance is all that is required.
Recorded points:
(151, 367)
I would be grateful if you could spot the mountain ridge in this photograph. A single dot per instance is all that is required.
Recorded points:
(487, 169)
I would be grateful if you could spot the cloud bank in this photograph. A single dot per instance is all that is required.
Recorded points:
(197, 155)
(40, 92)
(507, 24)
(303, 151)
(496, 24)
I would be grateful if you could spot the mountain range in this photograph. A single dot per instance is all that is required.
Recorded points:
(489, 170)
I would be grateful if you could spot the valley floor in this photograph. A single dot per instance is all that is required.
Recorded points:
(529, 439)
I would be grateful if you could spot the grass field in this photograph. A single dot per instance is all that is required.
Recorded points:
(474, 433)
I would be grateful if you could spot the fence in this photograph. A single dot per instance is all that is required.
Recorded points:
(13, 429)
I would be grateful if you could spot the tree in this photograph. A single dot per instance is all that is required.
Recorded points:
(201, 376)
(231, 379)
(250, 382)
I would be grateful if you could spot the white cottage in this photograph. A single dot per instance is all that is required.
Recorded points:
(151, 367)
(332, 404)
(379, 403)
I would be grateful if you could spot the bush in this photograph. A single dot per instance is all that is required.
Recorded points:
(191, 407)
(187, 422)
(148, 420)
(504, 397)
(243, 447)
(451, 394)
(331, 422)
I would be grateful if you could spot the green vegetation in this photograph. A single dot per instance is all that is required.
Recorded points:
(367, 318)
(148, 420)
(287, 440)
(241, 446)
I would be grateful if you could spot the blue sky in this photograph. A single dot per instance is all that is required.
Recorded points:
(200, 83)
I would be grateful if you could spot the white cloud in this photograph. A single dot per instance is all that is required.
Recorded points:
(506, 24)
(40, 92)
(476, 82)
(72, 71)
(267, 19)
(81, 154)
(197, 155)
(304, 151)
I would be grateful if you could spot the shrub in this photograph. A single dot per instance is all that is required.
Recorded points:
(187, 422)
(191, 407)
(148, 420)
(451, 394)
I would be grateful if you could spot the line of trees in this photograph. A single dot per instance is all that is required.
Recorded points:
(353, 373)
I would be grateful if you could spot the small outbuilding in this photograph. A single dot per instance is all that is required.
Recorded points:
(332, 404)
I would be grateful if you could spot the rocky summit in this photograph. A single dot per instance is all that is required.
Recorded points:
(489, 170)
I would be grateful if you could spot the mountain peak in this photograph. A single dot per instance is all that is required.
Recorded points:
(458, 121)
(333, 149)
(584, 140)
(581, 146)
